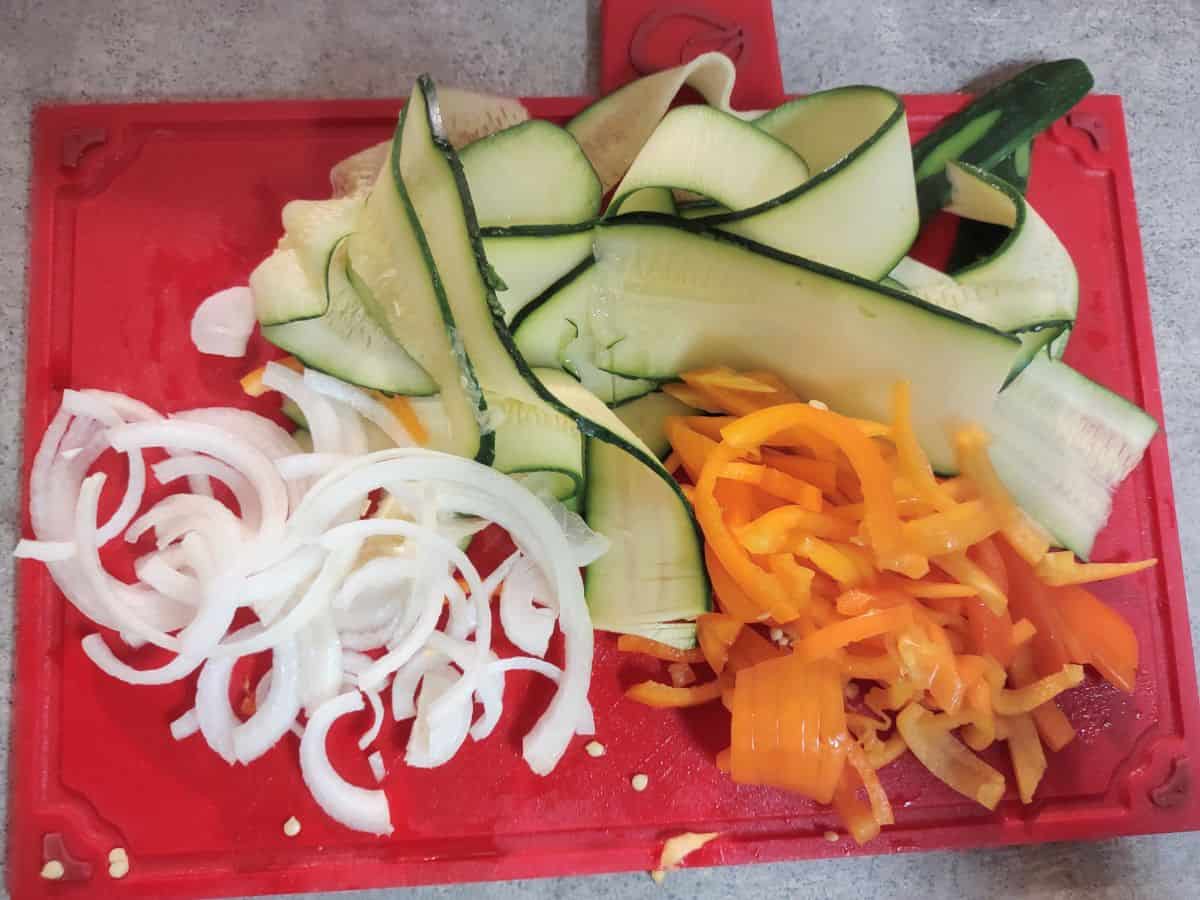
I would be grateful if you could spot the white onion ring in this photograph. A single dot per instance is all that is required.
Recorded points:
(362, 403)
(275, 712)
(353, 806)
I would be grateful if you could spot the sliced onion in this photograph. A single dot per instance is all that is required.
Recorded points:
(156, 572)
(238, 453)
(99, 653)
(368, 736)
(362, 403)
(408, 678)
(375, 575)
(529, 627)
(96, 407)
(217, 718)
(320, 661)
(586, 545)
(276, 710)
(316, 598)
(186, 725)
(436, 737)
(308, 465)
(353, 806)
(98, 582)
(375, 761)
(44, 551)
(223, 323)
(320, 414)
(195, 465)
(463, 616)
(470, 488)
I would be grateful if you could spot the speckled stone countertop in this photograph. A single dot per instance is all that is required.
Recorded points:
(72, 50)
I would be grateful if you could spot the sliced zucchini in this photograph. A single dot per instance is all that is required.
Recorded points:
(713, 154)
(354, 175)
(392, 268)
(646, 417)
(914, 276)
(613, 129)
(677, 298)
(283, 291)
(975, 240)
(1032, 265)
(289, 285)
(659, 200)
(529, 264)
(654, 571)
(467, 116)
(858, 211)
(1062, 444)
(347, 342)
(531, 174)
(994, 126)
(548, 324)
(528, 434)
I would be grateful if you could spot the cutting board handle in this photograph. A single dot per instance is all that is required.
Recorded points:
(638, 37)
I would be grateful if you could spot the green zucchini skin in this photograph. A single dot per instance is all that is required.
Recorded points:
(1004, 118)
(976, 240)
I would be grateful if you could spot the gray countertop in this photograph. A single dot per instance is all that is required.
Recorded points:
(73, 50)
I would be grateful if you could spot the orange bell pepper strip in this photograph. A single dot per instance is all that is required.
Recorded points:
(796, 578)
(839, 566)
(692, 396)
(763, 588)
(989, 634)
(672, 463)
(820, 472)
(636, 643)
(1028, 757)
(943, 755)
(881, 808)
(914, 464)
(723, 377)
(826, 641)
(1032, 600)
(950, 532)
(750, 649)
(1027, 538)
(708, 426)
(784, 527)
(692, 448)
(252, 382)
(937, 590)
(855, 814)
(964, 570)
(881, 518)
(1016, 701)
(716, 633)
(403, 410)
(1098, 635)
(990, 630)
(730, 597)
(1054, 727)
(1022, 632)
(928, 659)
(875, 668)
(665, 696)
(1061, 568)
(777, 484)
(980, 732)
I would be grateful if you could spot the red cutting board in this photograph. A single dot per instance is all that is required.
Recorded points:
(140, 211)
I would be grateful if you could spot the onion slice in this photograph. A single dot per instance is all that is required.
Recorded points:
(353, 806)
(223, 323)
